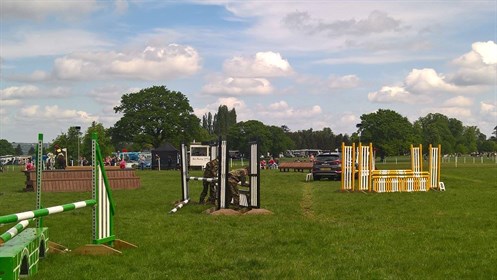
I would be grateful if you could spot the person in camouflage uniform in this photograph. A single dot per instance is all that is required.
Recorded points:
(235, 177)
(210, 171)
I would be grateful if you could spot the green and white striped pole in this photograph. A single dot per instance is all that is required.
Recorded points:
(45, 211)
(8, 235)
(39, 169)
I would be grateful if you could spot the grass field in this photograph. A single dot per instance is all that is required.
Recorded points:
(316, 232)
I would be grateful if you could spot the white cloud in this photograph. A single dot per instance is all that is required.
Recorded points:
(343, 82)
(281, 111)
(15, 95)
(154, 63)
(4, 117)
(392, 94)
(238, 86)
(55, 114)
(488, 109)
(458, 101)
(110, 95)
(477, 67)
(263, 64)
(427, 81)
(451, 112)
(420, 86)
(11, 102)
(19, 92)
(487, 51)
(376, 22)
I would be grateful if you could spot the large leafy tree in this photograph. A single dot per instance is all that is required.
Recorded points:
(272, 139)
(436, 128)
(154, 116)
(280, 141)
(242, 133)
(391, 132)
(6, 148)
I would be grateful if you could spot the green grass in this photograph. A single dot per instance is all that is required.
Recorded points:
(316, 231)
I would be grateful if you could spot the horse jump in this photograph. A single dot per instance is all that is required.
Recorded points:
(414, 179)
(248, 198)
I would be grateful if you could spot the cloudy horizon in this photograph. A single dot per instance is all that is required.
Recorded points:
(303, 64)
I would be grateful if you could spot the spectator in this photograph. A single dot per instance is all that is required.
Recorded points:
(142, 161)
(122, 164)
(263, 164)
(272, 163)
(29, 165)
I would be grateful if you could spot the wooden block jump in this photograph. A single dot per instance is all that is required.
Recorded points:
(296, 166)
(79, 179)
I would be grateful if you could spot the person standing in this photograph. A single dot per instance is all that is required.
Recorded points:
(122, 164)
(210, 171)
(235, 177)
(142, 161)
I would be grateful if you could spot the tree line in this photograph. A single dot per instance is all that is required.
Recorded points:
(156, 115)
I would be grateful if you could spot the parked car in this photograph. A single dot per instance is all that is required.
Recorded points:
(327, 165)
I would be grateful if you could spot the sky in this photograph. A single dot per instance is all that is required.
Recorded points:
(303, 64)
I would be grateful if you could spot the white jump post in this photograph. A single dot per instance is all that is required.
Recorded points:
(365, 166)
(348, 167)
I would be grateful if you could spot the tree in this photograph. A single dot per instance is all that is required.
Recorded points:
(104, 141)
(154, 116)
(438, 129)
(242, 133)
(207, 123)
(223, 120)
(6, 148)
(388, 130)
(18, 150)
(280, 141)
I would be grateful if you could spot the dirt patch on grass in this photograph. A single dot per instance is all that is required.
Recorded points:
(306, 202)
(259, 212)
(225, 212)
(243, 211)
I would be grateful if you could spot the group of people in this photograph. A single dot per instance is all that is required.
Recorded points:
(271, 164)
(115, 161)
(234, 178)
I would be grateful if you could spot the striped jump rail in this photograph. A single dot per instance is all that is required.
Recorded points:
(210, 180)
(400, 183)
(9, 234)
(179, 206)
(12, 218)
(397, 172)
